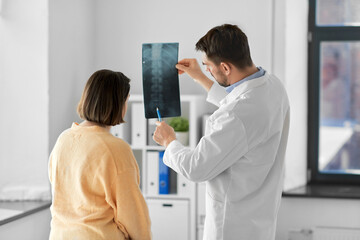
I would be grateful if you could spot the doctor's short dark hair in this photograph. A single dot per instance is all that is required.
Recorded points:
(104, 97)
(226, 43)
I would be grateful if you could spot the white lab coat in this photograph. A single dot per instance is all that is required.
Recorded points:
(241, 158)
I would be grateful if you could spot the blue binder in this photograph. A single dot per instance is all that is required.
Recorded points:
(164, 176)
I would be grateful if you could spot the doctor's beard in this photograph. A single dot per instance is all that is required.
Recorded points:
(221, 79)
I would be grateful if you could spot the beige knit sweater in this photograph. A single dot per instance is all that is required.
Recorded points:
(95, 187)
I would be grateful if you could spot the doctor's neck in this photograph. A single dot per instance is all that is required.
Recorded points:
(239, 74)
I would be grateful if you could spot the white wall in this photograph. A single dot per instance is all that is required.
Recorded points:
(24, 99)
(71, 59)
(296, 85)
(47, 54)
(290, 64)
(123, 26)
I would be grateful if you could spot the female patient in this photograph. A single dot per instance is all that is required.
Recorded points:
(94, 175)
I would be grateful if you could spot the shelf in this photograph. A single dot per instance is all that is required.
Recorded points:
(167, 197)
(150, 148)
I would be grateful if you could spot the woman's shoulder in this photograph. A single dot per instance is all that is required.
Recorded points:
(121, 152)
(116, 143)
(64, 134)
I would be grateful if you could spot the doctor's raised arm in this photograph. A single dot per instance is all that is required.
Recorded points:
(241, 156)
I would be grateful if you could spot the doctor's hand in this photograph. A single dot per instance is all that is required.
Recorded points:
(192, 68)
(164, 134)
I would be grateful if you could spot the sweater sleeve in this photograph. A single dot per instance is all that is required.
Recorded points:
(131, 211)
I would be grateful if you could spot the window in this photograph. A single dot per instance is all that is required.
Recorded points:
(334, 91)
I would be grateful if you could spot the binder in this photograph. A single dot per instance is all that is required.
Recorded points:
(138, 125)
(152, 158)
(122, 130)
(116, 131)
(164, 175)
(150, 133)
(201, 193)
(183, 186)
(119, 131)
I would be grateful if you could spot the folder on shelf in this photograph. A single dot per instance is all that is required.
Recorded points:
(138, 125)
(150, 132)
(152, 172)
(183, 186)
(120, 131)
(117, 130)
(164, 175)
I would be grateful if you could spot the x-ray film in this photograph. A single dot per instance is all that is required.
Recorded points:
(160, 79)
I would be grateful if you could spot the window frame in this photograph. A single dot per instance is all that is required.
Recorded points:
(316, 35)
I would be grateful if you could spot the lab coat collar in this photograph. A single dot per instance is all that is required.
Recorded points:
(242, 88)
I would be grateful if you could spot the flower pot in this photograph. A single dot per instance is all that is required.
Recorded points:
(183, 138)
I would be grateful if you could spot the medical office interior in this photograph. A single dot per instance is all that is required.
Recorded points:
(49, 48)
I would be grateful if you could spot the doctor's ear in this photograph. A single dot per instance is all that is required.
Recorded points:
(225, 68)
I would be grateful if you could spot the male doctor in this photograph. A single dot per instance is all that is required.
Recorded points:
(241, 156)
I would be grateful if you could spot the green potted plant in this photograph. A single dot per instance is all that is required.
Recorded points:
(181, 128)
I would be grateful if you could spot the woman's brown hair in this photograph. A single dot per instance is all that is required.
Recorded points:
(104, 97)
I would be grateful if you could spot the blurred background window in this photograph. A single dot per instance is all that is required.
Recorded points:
(339, 146)
(338, 13)
(334, 91)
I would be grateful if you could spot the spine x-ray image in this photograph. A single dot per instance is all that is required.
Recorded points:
(160, 79)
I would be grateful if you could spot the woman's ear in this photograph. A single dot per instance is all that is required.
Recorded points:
(225, 68)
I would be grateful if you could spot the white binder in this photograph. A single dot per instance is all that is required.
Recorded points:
(151, 126)
(152, 163)
(183, 186)
(118, 131)
(138, 125)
